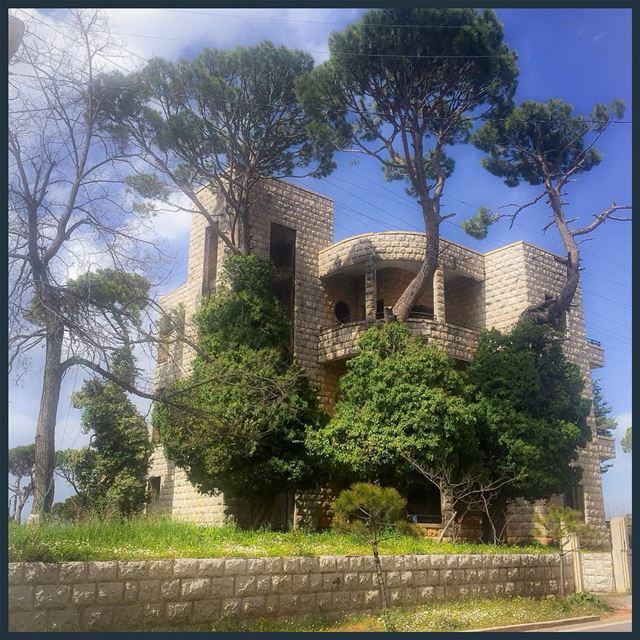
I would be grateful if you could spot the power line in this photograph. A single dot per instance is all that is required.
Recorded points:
(390, 55)
(516, 224)
(67, 36)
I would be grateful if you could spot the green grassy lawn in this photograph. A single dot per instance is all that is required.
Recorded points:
(140, 538)
(460, 615)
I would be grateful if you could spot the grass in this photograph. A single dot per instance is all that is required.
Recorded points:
(459, 615)
(142, 538)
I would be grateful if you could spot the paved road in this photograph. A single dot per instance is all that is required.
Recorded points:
(603, 626)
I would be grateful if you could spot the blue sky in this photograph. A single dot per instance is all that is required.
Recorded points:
(581, 56)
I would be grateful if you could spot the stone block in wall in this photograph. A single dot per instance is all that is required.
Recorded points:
(21, 598)
(63, 620)
(109, 592)
(52, 596)
(105, 570)
(97, 618)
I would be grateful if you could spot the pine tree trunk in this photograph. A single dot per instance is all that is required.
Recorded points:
(424, 277)
(561, 574)
(46, 428)
(379, 574)
(552, 309)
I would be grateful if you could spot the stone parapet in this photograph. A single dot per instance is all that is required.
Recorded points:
(595, 354)
(191, 594)
(606, 447)
(339, 342)
(395, 247)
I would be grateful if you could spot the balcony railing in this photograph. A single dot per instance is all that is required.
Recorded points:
(595, 353)
(339, 341)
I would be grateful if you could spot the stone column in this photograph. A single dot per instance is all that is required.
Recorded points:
(438, 296)
(370, 290)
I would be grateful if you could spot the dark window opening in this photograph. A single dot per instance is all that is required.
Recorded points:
(421, 311)
(154, 489)
(282, 252)
(342, 312)
(210, 260)
(423, 503)
(379, 309)
(574, 498)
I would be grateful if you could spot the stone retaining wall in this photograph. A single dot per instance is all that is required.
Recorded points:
(189, 594)
(597, 572)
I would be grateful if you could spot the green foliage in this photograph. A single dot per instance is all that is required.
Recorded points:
(399, 395)
(148, 186)
(243, 310)
(543, 138)
(478, 226)
(21, 461)
(465, 614)
(20, 465)
(98, 294)
(368, 507)
(626, 441)
(587, 598)
(532, 417)
(111, 473)
(138, 538)
(380, 74)
(238, 421)
(67, 463)
(71, 510)
(241, 423)
(181, 111)
(605, 424)
(560, 522)
(172, 322)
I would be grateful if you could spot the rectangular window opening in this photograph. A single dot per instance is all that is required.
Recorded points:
(574, 498)
(210, 260)
(154, 488)
(282, 252)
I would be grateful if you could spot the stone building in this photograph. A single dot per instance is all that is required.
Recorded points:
(334, 291)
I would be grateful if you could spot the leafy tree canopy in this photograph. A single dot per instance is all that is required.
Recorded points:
(368, 507)
(111, 472)
(227, 118)
(21, 461)
(245, 406)
(403, 84)
(543, 138)
(626, 441)
(532, 416)
(244, 309)
(399, 395)
(605, 424)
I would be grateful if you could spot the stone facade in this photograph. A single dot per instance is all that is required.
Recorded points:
(342, 288)
(191, 594)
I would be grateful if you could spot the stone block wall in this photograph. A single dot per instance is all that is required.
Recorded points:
(178, 497)
(545, 274)
(505, 285)
(464, 300)
(191, 594)
(311, 215)
(391, 248)
(597, 572)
